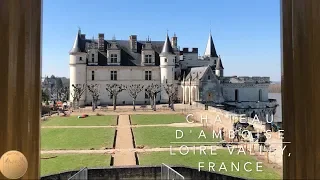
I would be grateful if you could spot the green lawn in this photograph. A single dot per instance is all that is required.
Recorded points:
(69, 162)
(152, 137)
(142, 119)
(107, 120)
(76, 138)
(191, 160)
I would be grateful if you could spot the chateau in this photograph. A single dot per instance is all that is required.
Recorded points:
(198, 78)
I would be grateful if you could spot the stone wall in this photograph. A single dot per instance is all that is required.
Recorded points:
(140, 172)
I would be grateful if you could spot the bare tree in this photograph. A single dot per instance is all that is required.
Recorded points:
(78, 90)
(94, 90)
(172, 92)
(114, 90)
(63, 94)
(153, 90)
(133, 91)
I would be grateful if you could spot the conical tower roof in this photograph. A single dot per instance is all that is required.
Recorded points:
(219, 65)
(167, 48)
(76, 44)
(210, 49)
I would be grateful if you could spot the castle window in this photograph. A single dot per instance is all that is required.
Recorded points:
(80, 58)
(165, 60)
(113, 75)
(208, 77)
(92, 75)
(215, 61)
(175, 59)
(114, 58)
(147, 58)
(236, 95)
(148, 75)
(260, 95)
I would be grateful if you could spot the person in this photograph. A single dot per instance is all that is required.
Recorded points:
(222, 133)
(261, 140)
(236, 135)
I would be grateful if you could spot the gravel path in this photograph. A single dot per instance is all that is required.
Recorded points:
(124, 141)
(128, 126)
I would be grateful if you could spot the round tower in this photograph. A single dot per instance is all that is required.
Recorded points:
(219, 68)
(167, 64)
(78, 67)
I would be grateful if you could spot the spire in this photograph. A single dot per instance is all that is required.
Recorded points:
(219, 65)
(167, 48)
(210, 49)
(76, 44)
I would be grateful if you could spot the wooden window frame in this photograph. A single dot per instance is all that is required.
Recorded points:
(20, 24)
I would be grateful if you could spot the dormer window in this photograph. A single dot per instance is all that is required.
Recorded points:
(208, 77)
(147, 59)
(114, 58)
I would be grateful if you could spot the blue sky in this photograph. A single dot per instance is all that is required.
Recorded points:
(246, 33)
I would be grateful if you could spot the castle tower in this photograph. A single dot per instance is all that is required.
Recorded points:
(77, 65)
(219, 68)
(210, 48)
(167, 65)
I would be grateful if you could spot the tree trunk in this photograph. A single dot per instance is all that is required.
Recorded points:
(114, 102)
(134, 104)
(154, 102)
(151, 101)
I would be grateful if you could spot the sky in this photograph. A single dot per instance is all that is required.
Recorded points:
(246, 33)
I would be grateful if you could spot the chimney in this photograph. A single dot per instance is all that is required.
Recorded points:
(83, 36)
(185, 50)
(174, 41)
(194, 50)
(133, 43)
(101, 41)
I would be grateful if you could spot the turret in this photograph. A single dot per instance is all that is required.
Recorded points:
(219, 67)
(167, 65)
(210, 48)
(77, 65)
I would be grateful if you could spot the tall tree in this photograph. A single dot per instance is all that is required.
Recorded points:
(45, 95)
(94, 90)
(133, 91)
(153, 90)
(172, 92)
(78, 90)
(59, 84)
(114, 90)
(63, 94)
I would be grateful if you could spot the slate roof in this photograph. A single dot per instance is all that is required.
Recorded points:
(196, 72)
(210, 48)
(76, 45)
(128, 57)
(167, 47)
(219, 65)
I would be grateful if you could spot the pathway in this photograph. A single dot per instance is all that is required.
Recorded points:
(124, 141)
(112, 151)
(128, 125)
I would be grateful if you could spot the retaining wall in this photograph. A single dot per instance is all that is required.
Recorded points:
(140, 172)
